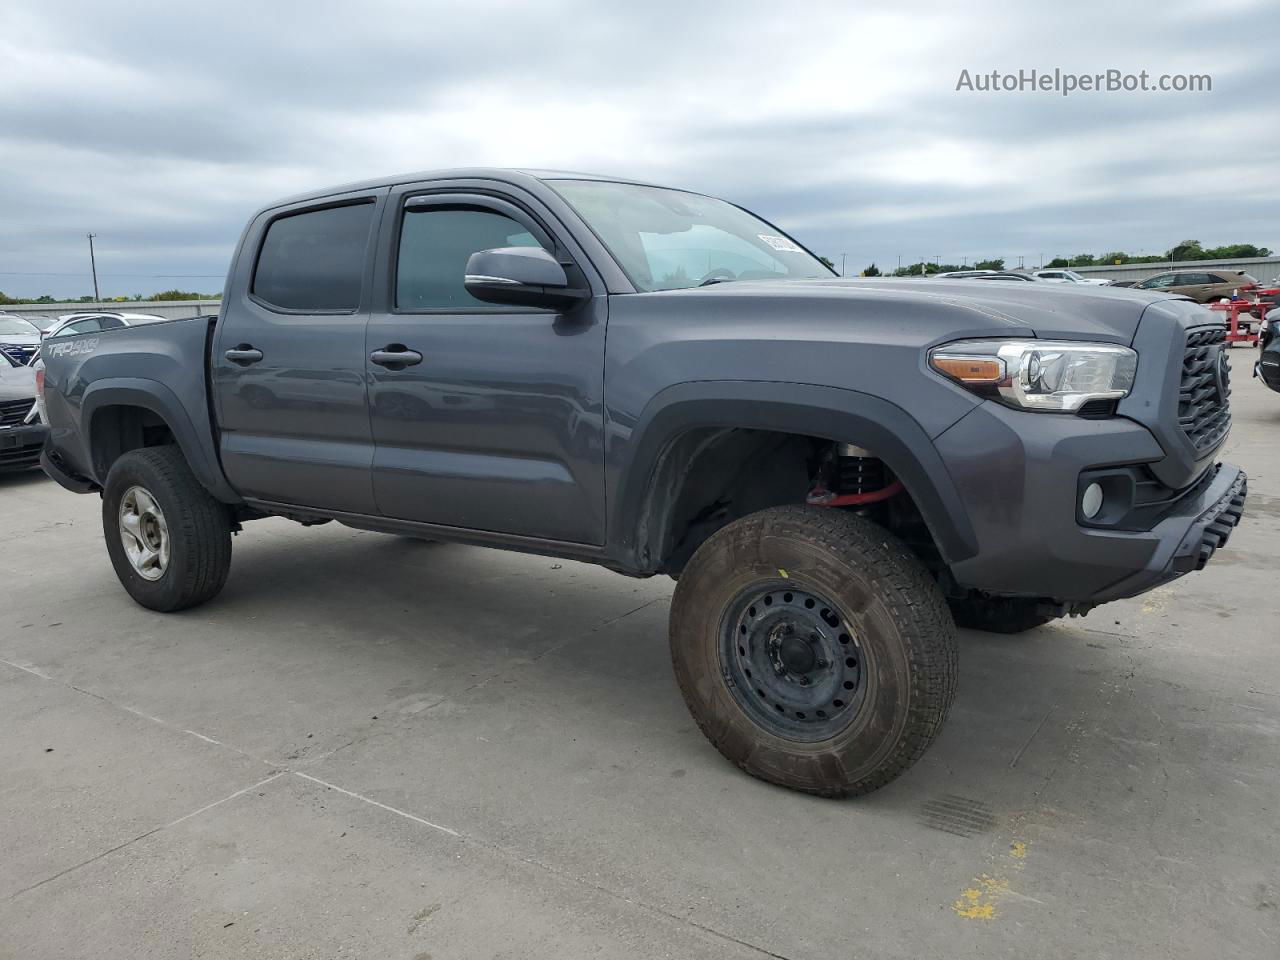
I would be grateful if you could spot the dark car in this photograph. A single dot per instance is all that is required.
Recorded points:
(19, 338)
(835, 471)
(21, 436)
(1268, 365)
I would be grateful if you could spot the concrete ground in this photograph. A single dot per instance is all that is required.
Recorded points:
(372, 747)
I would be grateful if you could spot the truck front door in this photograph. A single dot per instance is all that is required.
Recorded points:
(288, 363)
(484, 417)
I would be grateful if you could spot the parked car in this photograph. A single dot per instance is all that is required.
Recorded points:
(96, 321)
(832, 469)
(1068, 276)
(983, 275)
(1008, 275)
(1121, 283)
(1268, 365)
(21, 437)
(1201, 285)
(19, 338)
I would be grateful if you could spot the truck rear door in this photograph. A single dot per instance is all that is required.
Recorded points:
(288, 362)
(494, 419)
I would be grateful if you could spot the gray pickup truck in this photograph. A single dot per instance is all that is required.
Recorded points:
(836, 472)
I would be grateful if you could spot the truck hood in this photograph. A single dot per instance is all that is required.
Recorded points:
(17, 383)
(1061, 311)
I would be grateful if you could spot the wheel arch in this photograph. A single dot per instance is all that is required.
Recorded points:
(120, 415)
(686, 420)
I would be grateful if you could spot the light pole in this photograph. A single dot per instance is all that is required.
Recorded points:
(842, 259)
(93, 265)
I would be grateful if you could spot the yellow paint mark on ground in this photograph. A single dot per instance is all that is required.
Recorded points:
(783, 574)
(971, 905)
(979, 900)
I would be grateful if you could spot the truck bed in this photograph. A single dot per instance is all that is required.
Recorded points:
(162, 367)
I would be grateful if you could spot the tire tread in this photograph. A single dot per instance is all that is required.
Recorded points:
(913, 600)
(198, 522)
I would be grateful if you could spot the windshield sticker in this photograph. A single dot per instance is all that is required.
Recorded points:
(780, 243)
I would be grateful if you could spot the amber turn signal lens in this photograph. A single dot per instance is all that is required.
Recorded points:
(969, 369)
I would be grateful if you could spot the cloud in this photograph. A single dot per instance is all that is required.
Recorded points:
(162, 128)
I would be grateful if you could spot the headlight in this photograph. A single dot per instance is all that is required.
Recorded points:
(1054, 376)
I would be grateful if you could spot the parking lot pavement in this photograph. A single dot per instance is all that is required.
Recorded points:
(373, 747)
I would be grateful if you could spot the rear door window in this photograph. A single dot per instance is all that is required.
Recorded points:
(313, 262)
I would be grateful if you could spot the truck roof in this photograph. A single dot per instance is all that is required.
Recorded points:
(512, 175)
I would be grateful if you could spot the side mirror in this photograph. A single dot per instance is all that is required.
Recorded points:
(522, 277)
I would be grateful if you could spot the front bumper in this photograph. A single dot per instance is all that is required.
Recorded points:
(1187, 538)
(20, 446)
(1268, 369)
(1017, 474)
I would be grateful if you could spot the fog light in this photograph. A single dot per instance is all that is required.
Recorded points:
(1091, 502)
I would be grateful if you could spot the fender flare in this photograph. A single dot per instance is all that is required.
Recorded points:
(197, 448)
(832, 413)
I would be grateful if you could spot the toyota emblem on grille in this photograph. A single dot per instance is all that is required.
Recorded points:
(1222, 374)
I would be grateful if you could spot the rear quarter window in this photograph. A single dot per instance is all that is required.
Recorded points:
(314, 260)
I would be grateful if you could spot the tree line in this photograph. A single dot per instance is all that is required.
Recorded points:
(1186, 250)
(136, 298)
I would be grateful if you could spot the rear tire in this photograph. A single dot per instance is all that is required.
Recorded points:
(998, 614)
(170, 542)
(834, 697)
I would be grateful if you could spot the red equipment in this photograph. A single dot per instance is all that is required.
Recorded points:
(1233, 309)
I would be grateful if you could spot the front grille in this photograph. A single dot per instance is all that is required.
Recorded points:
(1204, 410)
(21, 456)
(13, 412)
(19, 353)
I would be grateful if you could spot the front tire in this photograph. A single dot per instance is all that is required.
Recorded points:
(168, 539)
(813, 649)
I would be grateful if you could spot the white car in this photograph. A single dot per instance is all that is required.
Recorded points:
(92, 321)
(1068, 276)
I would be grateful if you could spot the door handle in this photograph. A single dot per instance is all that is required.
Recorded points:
(396, 356)
(244, 354)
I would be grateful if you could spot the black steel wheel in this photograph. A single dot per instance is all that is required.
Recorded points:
(813, 649)
(792, 662)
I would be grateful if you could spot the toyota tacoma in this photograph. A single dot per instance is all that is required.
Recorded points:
(835, 472)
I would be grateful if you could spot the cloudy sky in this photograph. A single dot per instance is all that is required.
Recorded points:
(160, 127)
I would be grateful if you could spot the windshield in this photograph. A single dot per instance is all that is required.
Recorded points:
(18, 326)
(669, 239)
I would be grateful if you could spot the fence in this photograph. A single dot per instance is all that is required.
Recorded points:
(1263, 268)
(170, 309)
